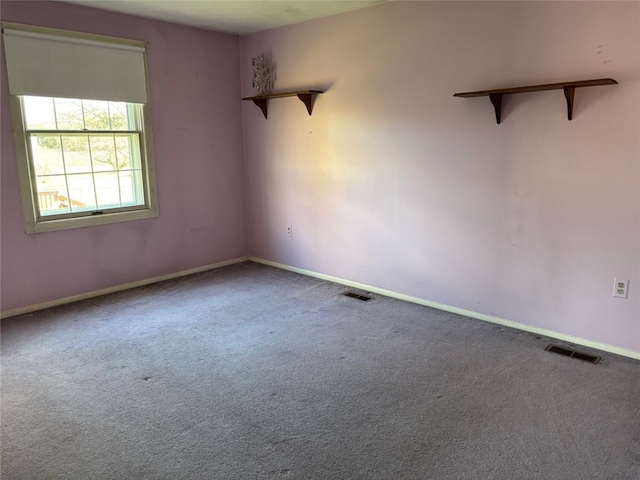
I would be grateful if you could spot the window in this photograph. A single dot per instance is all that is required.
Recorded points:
(83, 160)
(85, 156)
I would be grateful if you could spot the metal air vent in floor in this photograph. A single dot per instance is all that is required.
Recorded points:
(567, 352)
(357, 296)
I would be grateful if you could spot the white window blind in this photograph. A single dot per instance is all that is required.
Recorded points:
(52, 65)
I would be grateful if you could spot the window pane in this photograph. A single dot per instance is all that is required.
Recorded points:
(124, 145)
(44, 113)
(103, 153)
(69, 114)
(136, 158)
(47, 154)
(81, 193)
(107, 189)
(131, 191)
(39, 113)
(51, 189)
(96, 115)
(120, 117)
(76, 153)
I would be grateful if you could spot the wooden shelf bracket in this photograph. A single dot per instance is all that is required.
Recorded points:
(496, 101)
(306, 96)
(569, 88)
(307, 99)
(569, 92)
(262, 104)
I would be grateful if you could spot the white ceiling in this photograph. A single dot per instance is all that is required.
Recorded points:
(239, 17)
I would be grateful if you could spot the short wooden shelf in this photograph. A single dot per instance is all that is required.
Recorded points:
(305, 96)
(569, 89)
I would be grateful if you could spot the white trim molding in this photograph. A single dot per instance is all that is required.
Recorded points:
(460, 311)
(362, 286)
(105, 291)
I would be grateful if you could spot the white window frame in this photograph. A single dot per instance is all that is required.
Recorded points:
(35, 223)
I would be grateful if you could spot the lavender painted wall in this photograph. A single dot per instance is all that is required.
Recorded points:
(394, 183)
(195, 90)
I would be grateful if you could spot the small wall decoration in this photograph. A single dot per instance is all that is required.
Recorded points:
(262, 73)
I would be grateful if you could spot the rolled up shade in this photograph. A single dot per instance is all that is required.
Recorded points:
(50, 65)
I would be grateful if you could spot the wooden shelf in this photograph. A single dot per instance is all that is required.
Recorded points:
(495, 96)
(305, 96)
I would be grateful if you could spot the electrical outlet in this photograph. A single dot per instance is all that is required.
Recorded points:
(620, 288)
(289, 231)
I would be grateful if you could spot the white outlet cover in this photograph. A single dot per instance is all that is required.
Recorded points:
(620, 288)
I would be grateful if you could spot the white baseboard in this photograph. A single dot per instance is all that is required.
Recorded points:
(117, 288)
(369, 288)
(461, 311)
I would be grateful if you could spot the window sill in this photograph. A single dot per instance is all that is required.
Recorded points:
(106, 218)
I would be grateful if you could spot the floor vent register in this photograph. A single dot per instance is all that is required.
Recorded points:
(567, 352)
(357, 296)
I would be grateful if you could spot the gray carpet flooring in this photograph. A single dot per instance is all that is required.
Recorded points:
(250, 372)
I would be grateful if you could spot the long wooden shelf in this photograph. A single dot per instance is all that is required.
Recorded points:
(305, 96)
(495, 96)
